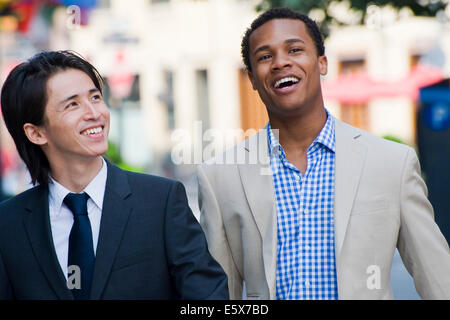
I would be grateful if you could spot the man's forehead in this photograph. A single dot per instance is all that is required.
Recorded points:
(279, 30)
(69, 82)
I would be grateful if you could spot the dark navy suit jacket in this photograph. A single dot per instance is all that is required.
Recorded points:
(150, 245)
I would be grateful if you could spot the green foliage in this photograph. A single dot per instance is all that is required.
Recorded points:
(393, 138)
(113, 155)
(418, 8)
(128, 167)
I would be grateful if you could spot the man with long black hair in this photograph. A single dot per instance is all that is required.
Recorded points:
(90, 230)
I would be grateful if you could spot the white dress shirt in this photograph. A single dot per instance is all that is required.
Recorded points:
(61, 218)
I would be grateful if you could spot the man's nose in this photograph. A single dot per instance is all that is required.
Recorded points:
(91, 110)
(280, 61)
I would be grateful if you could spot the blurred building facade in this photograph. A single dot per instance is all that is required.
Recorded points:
(187, 57)
(401, 56)
(174, 65)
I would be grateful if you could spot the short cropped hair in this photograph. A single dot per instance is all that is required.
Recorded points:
(280, 13)
(24, 97)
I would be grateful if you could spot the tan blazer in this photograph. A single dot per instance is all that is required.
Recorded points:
(380, 204)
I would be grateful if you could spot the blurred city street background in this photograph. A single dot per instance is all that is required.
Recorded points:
(173, 70)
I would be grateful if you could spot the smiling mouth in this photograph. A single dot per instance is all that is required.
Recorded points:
(92, 131)
(286, 82)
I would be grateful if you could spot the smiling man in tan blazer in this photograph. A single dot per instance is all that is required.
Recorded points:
(317, 210)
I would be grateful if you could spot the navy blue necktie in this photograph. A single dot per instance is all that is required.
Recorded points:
(81, 249)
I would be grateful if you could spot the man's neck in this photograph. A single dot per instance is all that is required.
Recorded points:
(298, 132)
(76, 175)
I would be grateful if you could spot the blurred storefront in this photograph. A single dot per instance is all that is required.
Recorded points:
(433, 135)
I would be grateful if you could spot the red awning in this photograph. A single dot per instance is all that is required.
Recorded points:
(360, 87)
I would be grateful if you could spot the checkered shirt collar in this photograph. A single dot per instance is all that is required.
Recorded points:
(325, 137)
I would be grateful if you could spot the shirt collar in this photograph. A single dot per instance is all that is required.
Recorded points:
(325, 137)
(274, 146)
(95, 189)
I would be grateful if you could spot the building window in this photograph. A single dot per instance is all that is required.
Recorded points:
(166, 97)
(253, 110)
(355, 114)
(133, 93)
(201, 80)
(351, 66)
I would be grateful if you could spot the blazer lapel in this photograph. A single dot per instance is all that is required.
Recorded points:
(350, 157)
(37, 225)
(256, 177)
(115, 213)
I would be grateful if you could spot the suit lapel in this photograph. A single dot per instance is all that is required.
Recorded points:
(37, 225)
(256, 177)
(350, 157)
(115, 213)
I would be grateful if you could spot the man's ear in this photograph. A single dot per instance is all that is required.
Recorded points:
(323, 65)
(250, 77)
(35, 134)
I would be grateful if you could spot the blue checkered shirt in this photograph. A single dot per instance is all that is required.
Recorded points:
(306, 267)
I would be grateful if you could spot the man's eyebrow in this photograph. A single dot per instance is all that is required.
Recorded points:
(76, 95)
(264, 47)
(294, 40)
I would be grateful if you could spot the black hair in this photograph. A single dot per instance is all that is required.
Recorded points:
(24, 97)
(281, 13)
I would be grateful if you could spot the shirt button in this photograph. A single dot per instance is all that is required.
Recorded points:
(306, 211)
(307, 247)
(307, 284)
(297, 177)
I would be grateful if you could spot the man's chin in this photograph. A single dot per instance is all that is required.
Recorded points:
(96, 152)
(286, 109)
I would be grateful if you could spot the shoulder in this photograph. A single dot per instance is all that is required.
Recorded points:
(143, 185)
(147, 192)
(12, 207)
(118, 176)
(136, 178)
(21, 199)
(375, 145)
(250, 151)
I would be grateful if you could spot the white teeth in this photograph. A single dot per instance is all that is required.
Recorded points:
(279, 82)
(93, 131)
